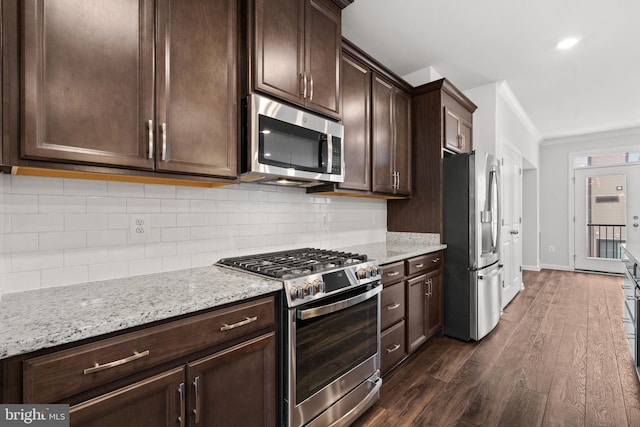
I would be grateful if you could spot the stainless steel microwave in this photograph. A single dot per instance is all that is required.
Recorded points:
(286, 145)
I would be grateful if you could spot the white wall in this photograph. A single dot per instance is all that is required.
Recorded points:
(63, 231)
(484, 118)
(530, 221)
(554, 187)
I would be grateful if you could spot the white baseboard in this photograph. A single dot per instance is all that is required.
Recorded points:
(531, 267)
(556, 267)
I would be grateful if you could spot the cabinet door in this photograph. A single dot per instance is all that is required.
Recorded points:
(88, 81)
(452, 138)
(402, 141)
(466, 135)
(196, 85)
(435, 302)
(236, 386)
(382, 135)
(154, 402)
(416, 318)
(356, 95)
(279, 48)
(323, 41)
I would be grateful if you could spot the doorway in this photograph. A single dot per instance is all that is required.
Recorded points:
(607, 214)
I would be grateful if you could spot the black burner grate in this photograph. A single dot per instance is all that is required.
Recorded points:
(293, 263)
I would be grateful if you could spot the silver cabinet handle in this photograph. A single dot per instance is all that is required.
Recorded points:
(246, 321)
(392, 306)
(392, 349)
(304, 85)
(435, 260)
(150, 136)
(163, 129)
(397, 180)
(393, 273)
(311, 87)
(182, 417)
(196, 411)
(419, 265)
(98, 367)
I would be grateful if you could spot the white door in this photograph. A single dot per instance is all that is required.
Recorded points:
(511, 232)
(607, 213)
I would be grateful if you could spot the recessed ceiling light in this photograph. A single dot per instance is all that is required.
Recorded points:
(567, 43)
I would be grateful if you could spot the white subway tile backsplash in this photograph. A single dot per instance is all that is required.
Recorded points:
(143, 205)
(18, 282)
(97, 238)
(85, 256)
(85, 222)
(19, 203)
(106, 204)
(36, 185)
(72, 230)
(111, 270)
(176, 234)
(62, 204)
(20, 242)
(64, 276)
(85, 187)
(30, 261)
(62, 240)
(125, 189)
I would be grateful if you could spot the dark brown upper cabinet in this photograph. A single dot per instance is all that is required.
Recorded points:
(295, 51)
(135, 84)
(356, 118)
(442, 124)
(391, 129)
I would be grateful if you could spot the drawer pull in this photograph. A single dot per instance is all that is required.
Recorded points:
(435, 260)
(99, 367)
(392, 349)
(419, 265)
(246, 321)
(393, 306)
(393, 273)
(196, 411)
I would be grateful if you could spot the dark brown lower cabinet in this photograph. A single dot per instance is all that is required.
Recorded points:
(152, 402)
(424, 308)
(235, 387)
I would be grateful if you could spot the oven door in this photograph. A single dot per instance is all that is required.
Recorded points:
(334, 349)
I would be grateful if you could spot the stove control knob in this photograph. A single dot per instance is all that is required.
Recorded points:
(300, 292)
(312, 288)
(379, 273)
(293, 292)
(363, 273)
(321, 287)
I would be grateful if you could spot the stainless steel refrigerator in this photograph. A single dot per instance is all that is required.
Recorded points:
(472, 269)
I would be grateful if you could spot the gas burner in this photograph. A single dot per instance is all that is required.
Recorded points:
(294, 263)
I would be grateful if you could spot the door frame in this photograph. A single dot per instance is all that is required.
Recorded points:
(572, 189)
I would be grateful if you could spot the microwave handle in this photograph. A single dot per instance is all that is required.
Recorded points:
(329, 153)
(310, 313)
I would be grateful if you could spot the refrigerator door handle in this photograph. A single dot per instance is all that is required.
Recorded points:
(495, 272)
(493, 187)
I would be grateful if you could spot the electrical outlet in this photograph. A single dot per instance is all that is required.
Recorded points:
(552, 248)
(139, 227)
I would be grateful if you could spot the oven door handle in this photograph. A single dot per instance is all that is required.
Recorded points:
(310, 313)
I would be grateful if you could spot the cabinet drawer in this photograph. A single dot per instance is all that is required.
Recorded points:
(391, 305)
(393, 272)
(392, 346)
(423, 263)
(54, 376)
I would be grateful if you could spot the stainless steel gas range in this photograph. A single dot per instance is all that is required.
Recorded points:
(330, 330)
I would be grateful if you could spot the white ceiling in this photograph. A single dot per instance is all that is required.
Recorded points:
(592, 87)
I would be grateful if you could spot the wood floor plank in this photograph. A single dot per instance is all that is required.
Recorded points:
(525, 408)
(447, 366)
(493, 344)
(604, 400)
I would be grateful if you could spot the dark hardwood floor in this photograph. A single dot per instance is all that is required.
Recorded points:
(558, 357)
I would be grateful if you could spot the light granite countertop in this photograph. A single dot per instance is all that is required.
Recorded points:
(44, 318)
(35, 320)
(399, 246)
